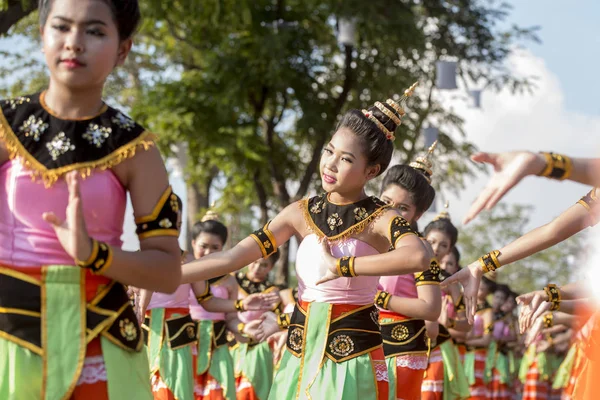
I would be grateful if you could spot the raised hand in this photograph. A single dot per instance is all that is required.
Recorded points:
(328, 264)
(469, 278)
(509, 169)
(72, 232)
(252, 329)
(268, 326)
(261, 301)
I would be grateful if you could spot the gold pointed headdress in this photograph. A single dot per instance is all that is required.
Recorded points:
(444, 214)
(423, 163)
(210, 214)
(395, 115)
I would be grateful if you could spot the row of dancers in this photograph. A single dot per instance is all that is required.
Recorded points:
(374, 311)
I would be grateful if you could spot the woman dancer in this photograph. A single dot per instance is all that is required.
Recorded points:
(334, 344)
(68, 329)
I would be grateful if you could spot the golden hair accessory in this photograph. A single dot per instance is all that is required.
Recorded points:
(389, 135)
(423, 163)
(210, 214)
(388, 113)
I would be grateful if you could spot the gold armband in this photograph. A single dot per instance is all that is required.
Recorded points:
(345, 267)
(265, 240)
(590, 201)
(489, 262)
(558, 166)
(240, 328)
(99, 260)
(548, 320)
(164, 218)
(239, 306)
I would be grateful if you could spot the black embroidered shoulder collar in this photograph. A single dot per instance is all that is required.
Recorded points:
(251, 287)
(339, 222)
(51, 146)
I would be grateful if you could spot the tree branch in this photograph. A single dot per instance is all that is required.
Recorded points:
(280, 187)
(339, 104)
(16, 11)
(262, 197)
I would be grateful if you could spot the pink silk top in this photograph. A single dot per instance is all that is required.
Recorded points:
(399, 285)
(26, 240)
(198, 312)
(179, 299)
(310, 269)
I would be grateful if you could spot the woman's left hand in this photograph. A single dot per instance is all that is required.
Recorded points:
(72, 232)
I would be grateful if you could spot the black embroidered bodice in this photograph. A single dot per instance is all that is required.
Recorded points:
(251, 287)
(336, 222)
(51, 146)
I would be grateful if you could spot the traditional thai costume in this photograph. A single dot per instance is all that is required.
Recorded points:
(334, 345)
(475, 358)
(65, 332)
(253, 362)
(535, 374)
(497, 368)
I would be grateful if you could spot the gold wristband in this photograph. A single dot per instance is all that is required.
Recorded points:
(345, 267)
(382, 299)
(240, 327)
(283, 320)
(548, 320)
(554, 296)
(239, 305)
(558, 166)
(451, 323)
(489, 262)
(99, 260)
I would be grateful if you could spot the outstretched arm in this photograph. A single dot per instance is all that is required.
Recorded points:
(427, 306)
(245, 252)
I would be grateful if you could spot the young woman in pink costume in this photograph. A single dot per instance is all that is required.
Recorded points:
(67, 162)
(334, 343)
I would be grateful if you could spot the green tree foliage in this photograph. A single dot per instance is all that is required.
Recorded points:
(247, 93)
(502, 225)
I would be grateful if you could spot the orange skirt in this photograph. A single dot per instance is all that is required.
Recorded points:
(433, 382)
(535, 387)
(479, 390)
(498, 390)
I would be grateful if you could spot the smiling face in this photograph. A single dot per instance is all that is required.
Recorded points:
(259, 270)
(343, 165)
(401, 199)
(81, 43)
(205, 244)
(440, 243)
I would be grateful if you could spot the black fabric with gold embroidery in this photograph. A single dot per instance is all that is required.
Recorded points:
(334, 221)
(443, 337)
(213, 281)
(163, 220)
(109, 314)
(399, 227)
(431, 276)
(250, 287)
(401, 337)
(180, 331)
(460, 304)
(53, 146)
(349, 336)
(265, 240)
(219, 333)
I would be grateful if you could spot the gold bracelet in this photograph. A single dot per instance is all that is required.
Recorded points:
(548, 320)
(558, 166)
(554, 296)
(240, 327)
(239, 305)
(451, 323)
(99, 260)
(489, 262)
(345, 267)
(283, 320)
(382, 299)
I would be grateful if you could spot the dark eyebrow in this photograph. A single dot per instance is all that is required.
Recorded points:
(343, 152)
(88, 22)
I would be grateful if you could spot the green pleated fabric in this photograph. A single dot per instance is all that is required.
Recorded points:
(221, 368)
(526, 361)
(456, 386)
(256, 365)
(563, 374)
(391, 363)
(126, 373)
(316, 377)
(490, 362)
(14, 384)
(469, 365)
(205, 339)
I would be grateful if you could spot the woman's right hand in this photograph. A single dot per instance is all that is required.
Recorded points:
(509, 169)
